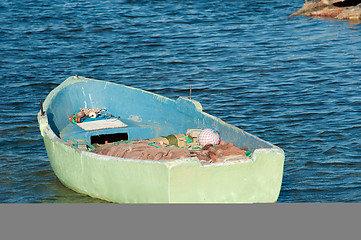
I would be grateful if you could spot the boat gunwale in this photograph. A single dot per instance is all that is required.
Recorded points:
(78, 79)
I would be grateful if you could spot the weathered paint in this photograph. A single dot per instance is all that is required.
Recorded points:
(143, 181)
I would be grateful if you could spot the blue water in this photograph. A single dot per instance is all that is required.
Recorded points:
(294, 82)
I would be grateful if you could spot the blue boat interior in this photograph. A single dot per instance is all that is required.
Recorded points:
(147, 115)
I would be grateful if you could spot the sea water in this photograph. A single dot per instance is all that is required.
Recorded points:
(294, 82)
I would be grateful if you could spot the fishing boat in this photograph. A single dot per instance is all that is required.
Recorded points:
(141, 115)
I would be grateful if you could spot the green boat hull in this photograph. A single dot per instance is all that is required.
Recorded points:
(172, 181)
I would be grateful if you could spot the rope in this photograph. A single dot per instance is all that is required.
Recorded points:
(188, 139)
(152, 144)
(73, 119)
(122, 141)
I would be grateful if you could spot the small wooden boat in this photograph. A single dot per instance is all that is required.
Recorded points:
(145, 115)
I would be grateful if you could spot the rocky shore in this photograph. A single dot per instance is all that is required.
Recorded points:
(335, 9)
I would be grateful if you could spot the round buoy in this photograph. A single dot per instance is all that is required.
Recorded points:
(208, 136)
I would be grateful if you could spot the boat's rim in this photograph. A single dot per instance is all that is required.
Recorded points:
(43, 121)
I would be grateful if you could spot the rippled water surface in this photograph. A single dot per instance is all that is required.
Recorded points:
(294, 82)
